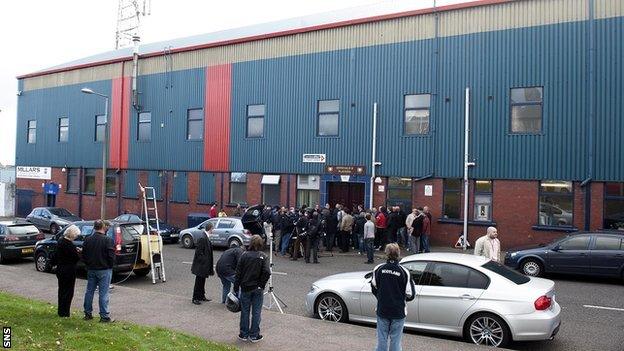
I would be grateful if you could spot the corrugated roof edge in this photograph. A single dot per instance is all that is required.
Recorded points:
(339, 24)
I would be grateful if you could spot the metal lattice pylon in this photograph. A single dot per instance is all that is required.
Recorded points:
(129, 14)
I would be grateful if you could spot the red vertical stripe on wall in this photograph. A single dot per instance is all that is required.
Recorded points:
(217, 118)
(125, 126)
(119, 123)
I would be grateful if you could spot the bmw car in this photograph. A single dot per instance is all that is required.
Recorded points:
(456, 294)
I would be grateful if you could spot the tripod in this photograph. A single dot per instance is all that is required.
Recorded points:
(274, 300)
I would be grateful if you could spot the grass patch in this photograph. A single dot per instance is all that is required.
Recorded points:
(35, 326)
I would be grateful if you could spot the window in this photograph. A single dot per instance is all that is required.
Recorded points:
(238, 188)
(526, 110)
(308, 190)
(206, 188)
(195, 124)
(131, 189)
(73, 180)
(452, 198)
(111, 182)
(577, 242)
(400, 193)
(416, 113)
(144, 128)
(180, 187)
(614, 206)
(89, 181)
(255, 121)
(270, 190)
(32, 132)
(457, 276)
(416, 270)
(483, 200)
(63, 130)
(100, 128)
(225, 224)
(328, 111)
(556, 203)
(608, 243)
(504, 271)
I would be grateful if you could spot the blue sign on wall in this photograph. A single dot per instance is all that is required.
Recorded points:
(51, 188)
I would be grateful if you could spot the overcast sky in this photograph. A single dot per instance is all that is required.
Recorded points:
(36, 34)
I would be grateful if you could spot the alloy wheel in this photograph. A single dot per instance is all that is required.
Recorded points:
(531, 268)
(486, 331)
(330, 309)
(41, 263)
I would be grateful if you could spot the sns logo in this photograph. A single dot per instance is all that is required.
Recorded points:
(6, 337)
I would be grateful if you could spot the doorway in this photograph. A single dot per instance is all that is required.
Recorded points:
(50, 200)
(347, 194)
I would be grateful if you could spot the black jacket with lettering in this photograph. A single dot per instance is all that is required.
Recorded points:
(389, 284)
(98, 252)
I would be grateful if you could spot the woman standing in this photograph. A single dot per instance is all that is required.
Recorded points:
(66, 258)
(202, 266)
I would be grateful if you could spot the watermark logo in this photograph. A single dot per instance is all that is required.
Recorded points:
(6, 337)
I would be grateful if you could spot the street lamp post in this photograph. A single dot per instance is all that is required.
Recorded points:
(104, 151)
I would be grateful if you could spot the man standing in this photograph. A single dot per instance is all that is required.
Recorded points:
(426, 230)
(311, 247)
(369, 238)
(346, 226)
(409, 230)
(488, 245)
(213, 210)
(252, 274)
(389, 284)
(202, 266)
(226, 269)
(98, 253)
(381, 225)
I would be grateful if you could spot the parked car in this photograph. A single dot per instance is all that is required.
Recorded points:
(169, 233)
(17, 239)
(456, 294)
(582, 253)
(227, 232)
(127, 254)
(51, 219)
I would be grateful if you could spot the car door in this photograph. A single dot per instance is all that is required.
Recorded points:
(36, 218)
(225, 229)
(570, 256)
(448, 291)
(607, 255)
(46, 219)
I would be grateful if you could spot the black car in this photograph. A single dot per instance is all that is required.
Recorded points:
(127, 254)
(17, 239)
(51, 219)
(583, 253)
(169, 233)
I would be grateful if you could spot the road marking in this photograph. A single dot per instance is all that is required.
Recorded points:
(605, 308)
(280, 273)
(187, 262)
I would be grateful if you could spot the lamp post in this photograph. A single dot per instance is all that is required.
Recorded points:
(104, 150)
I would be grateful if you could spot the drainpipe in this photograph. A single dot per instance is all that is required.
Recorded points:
(374, 156)
(466, 166)
(591, 62)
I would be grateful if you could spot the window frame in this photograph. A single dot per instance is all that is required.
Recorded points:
(407, 207)
(541, 193)
(249, 116)
(326, 113)
(512, 104)
(406, 109)
(139, 123)
(476, 193)
(88, 172)
(189, 120)
(232, 201)
(68, 189)
(98, 125)
(445, 191)
(608, 197)
(428, 273)
(111, 174)
(29, 127)
(60, 127)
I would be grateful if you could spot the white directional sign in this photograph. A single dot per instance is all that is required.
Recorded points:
(314, 158)
(25, 172)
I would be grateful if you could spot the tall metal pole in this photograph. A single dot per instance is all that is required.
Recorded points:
(104, 154)
(373, 162)
(466, 165)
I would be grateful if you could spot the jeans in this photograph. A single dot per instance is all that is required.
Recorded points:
(414, 243)
(424, 243)
(389, 333)
(227, 285)
(251, 301)
(370, 247)
(100, 279)
(277, 240)
(360, 240)
(285, 243)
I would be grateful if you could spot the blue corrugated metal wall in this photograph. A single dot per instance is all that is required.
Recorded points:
(155, 181)
(130, 184)
(180, 187)
(206, 188)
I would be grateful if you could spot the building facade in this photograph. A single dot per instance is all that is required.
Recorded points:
(286, 117)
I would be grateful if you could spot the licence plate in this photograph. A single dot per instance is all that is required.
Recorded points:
(28, 251)
(175, 235)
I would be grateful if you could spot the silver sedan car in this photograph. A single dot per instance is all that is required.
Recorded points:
(226, 232)
(456, 294)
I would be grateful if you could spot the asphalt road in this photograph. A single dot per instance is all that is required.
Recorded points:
(583, 328)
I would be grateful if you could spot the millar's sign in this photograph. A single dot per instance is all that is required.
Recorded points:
(25, 172)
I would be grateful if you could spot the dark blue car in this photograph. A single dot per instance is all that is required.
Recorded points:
(583, 253)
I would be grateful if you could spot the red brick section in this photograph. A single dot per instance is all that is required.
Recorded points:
(379, 197)
(254, 188)
(597, 206)
(293, 191)
(283, 189)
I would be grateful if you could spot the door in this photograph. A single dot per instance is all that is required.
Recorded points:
(448, 291)
(50, 200)
(347, 194)
(607, 255)
(570, 256)
(224, 230)
(24, 202)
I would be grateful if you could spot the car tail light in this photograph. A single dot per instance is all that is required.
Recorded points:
(11, 238)
(117, 240)
(40, 236)
(246, 232)
(542, 303)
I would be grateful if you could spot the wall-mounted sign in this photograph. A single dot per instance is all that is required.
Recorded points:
(378, 180)
(428, 190)
(381, 188)
(344, 178)
(25, 172)
(347, 170)
(314, 158)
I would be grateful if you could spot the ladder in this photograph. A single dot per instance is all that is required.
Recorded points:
(154, 242)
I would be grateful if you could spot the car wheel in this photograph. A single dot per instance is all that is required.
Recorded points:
(187, 242)
(2, 259)
(142, 272)
(487, 329)
(54, 228)
(234, 242)
(42, 264)
(330, 307)
(532, 267)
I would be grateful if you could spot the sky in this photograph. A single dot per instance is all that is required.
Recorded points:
(38, 34)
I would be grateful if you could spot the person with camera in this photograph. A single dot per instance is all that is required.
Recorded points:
(252, 274)
(313, 235)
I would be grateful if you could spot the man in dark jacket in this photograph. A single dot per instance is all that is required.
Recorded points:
(252, 274)
(98, 253)
(389, 284)
(311, 247)
(393, 224)
(226, 269)
(202, 266)
(288, 225)
(300, 232)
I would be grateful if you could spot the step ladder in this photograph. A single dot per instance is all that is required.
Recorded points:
(154, 242)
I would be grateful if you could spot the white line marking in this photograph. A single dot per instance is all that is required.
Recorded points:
(605, 308)
(280, 273)
(187, 262)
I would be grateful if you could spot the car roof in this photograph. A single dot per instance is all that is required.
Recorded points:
(451, 257)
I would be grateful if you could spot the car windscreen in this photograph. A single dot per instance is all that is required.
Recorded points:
(61, 212)
(23, 230)
(506, 272)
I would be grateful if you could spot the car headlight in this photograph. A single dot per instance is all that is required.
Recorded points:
(313, 288)
(514, 254)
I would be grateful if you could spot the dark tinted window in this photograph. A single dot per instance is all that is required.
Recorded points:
(506, 272)
(575, 243)
(23, 230)
(416, 270)
(458, 276)
(608, 243)
(61, 212)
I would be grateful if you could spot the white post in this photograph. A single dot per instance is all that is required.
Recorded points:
(466, 165)
(374, 162)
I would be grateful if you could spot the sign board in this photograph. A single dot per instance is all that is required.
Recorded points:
(428, 190)
(314, 158)
(346, 170)
(25, 172)
(483, 212)
(381, 188)
(344, 178)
